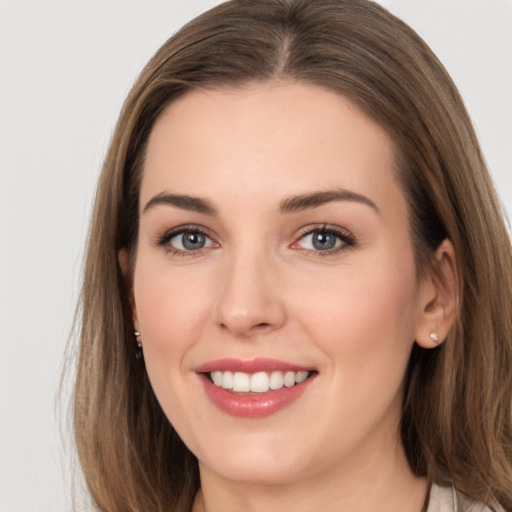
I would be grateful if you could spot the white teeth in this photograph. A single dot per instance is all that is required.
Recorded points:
(241, 382)
(227, 380)
(276, 380)
(259, 382)
(289, 379)
(217, 378)
(301, 377)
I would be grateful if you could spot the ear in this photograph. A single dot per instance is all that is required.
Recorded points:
(438, 302)
(126, 269)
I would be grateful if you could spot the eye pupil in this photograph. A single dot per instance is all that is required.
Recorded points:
(193, 240)
(324, 241)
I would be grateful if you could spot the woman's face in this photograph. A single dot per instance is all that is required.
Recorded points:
(274, 247)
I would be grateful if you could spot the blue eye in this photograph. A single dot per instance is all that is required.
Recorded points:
(326, 240)
(185, 240)
(323, 241)
(190, 241)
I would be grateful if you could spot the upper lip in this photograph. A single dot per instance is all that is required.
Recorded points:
(250, 366)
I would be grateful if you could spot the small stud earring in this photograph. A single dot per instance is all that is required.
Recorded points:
(434, 337)
(138, 354)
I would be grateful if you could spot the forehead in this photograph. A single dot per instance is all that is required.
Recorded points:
(272, 138)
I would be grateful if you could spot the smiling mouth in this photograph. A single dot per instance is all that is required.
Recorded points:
(254, 388)
(258, 382)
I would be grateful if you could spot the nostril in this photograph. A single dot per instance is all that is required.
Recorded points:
(247, 331)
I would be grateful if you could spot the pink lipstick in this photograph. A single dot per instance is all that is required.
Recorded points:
(254, 388)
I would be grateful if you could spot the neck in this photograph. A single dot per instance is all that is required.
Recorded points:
(378, 481)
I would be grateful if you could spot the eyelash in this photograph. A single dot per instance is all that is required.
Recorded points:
(347, 239)
(164, 240)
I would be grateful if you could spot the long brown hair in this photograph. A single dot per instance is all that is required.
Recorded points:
(456, 424)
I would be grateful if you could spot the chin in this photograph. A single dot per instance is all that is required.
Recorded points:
(250, 460)
(261, 471)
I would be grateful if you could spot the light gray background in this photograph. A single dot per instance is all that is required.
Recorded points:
(65, 68)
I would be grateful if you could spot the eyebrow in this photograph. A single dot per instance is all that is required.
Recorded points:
(288, 205)
(195, 204)
(316, 199)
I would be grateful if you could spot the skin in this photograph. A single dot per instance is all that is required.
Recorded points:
(259, 288)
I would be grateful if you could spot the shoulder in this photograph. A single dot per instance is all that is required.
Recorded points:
(443, 499)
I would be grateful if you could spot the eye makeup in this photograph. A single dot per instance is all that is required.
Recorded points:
(324, 239)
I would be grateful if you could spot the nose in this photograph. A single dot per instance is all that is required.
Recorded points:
(250, 300)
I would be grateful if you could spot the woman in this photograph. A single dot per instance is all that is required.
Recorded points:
(298, 281)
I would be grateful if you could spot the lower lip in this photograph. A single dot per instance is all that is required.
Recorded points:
(253, 405)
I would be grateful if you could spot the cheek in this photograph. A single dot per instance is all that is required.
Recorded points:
(364, 323)
(170, 311)
(167, 304)
(365, 319)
